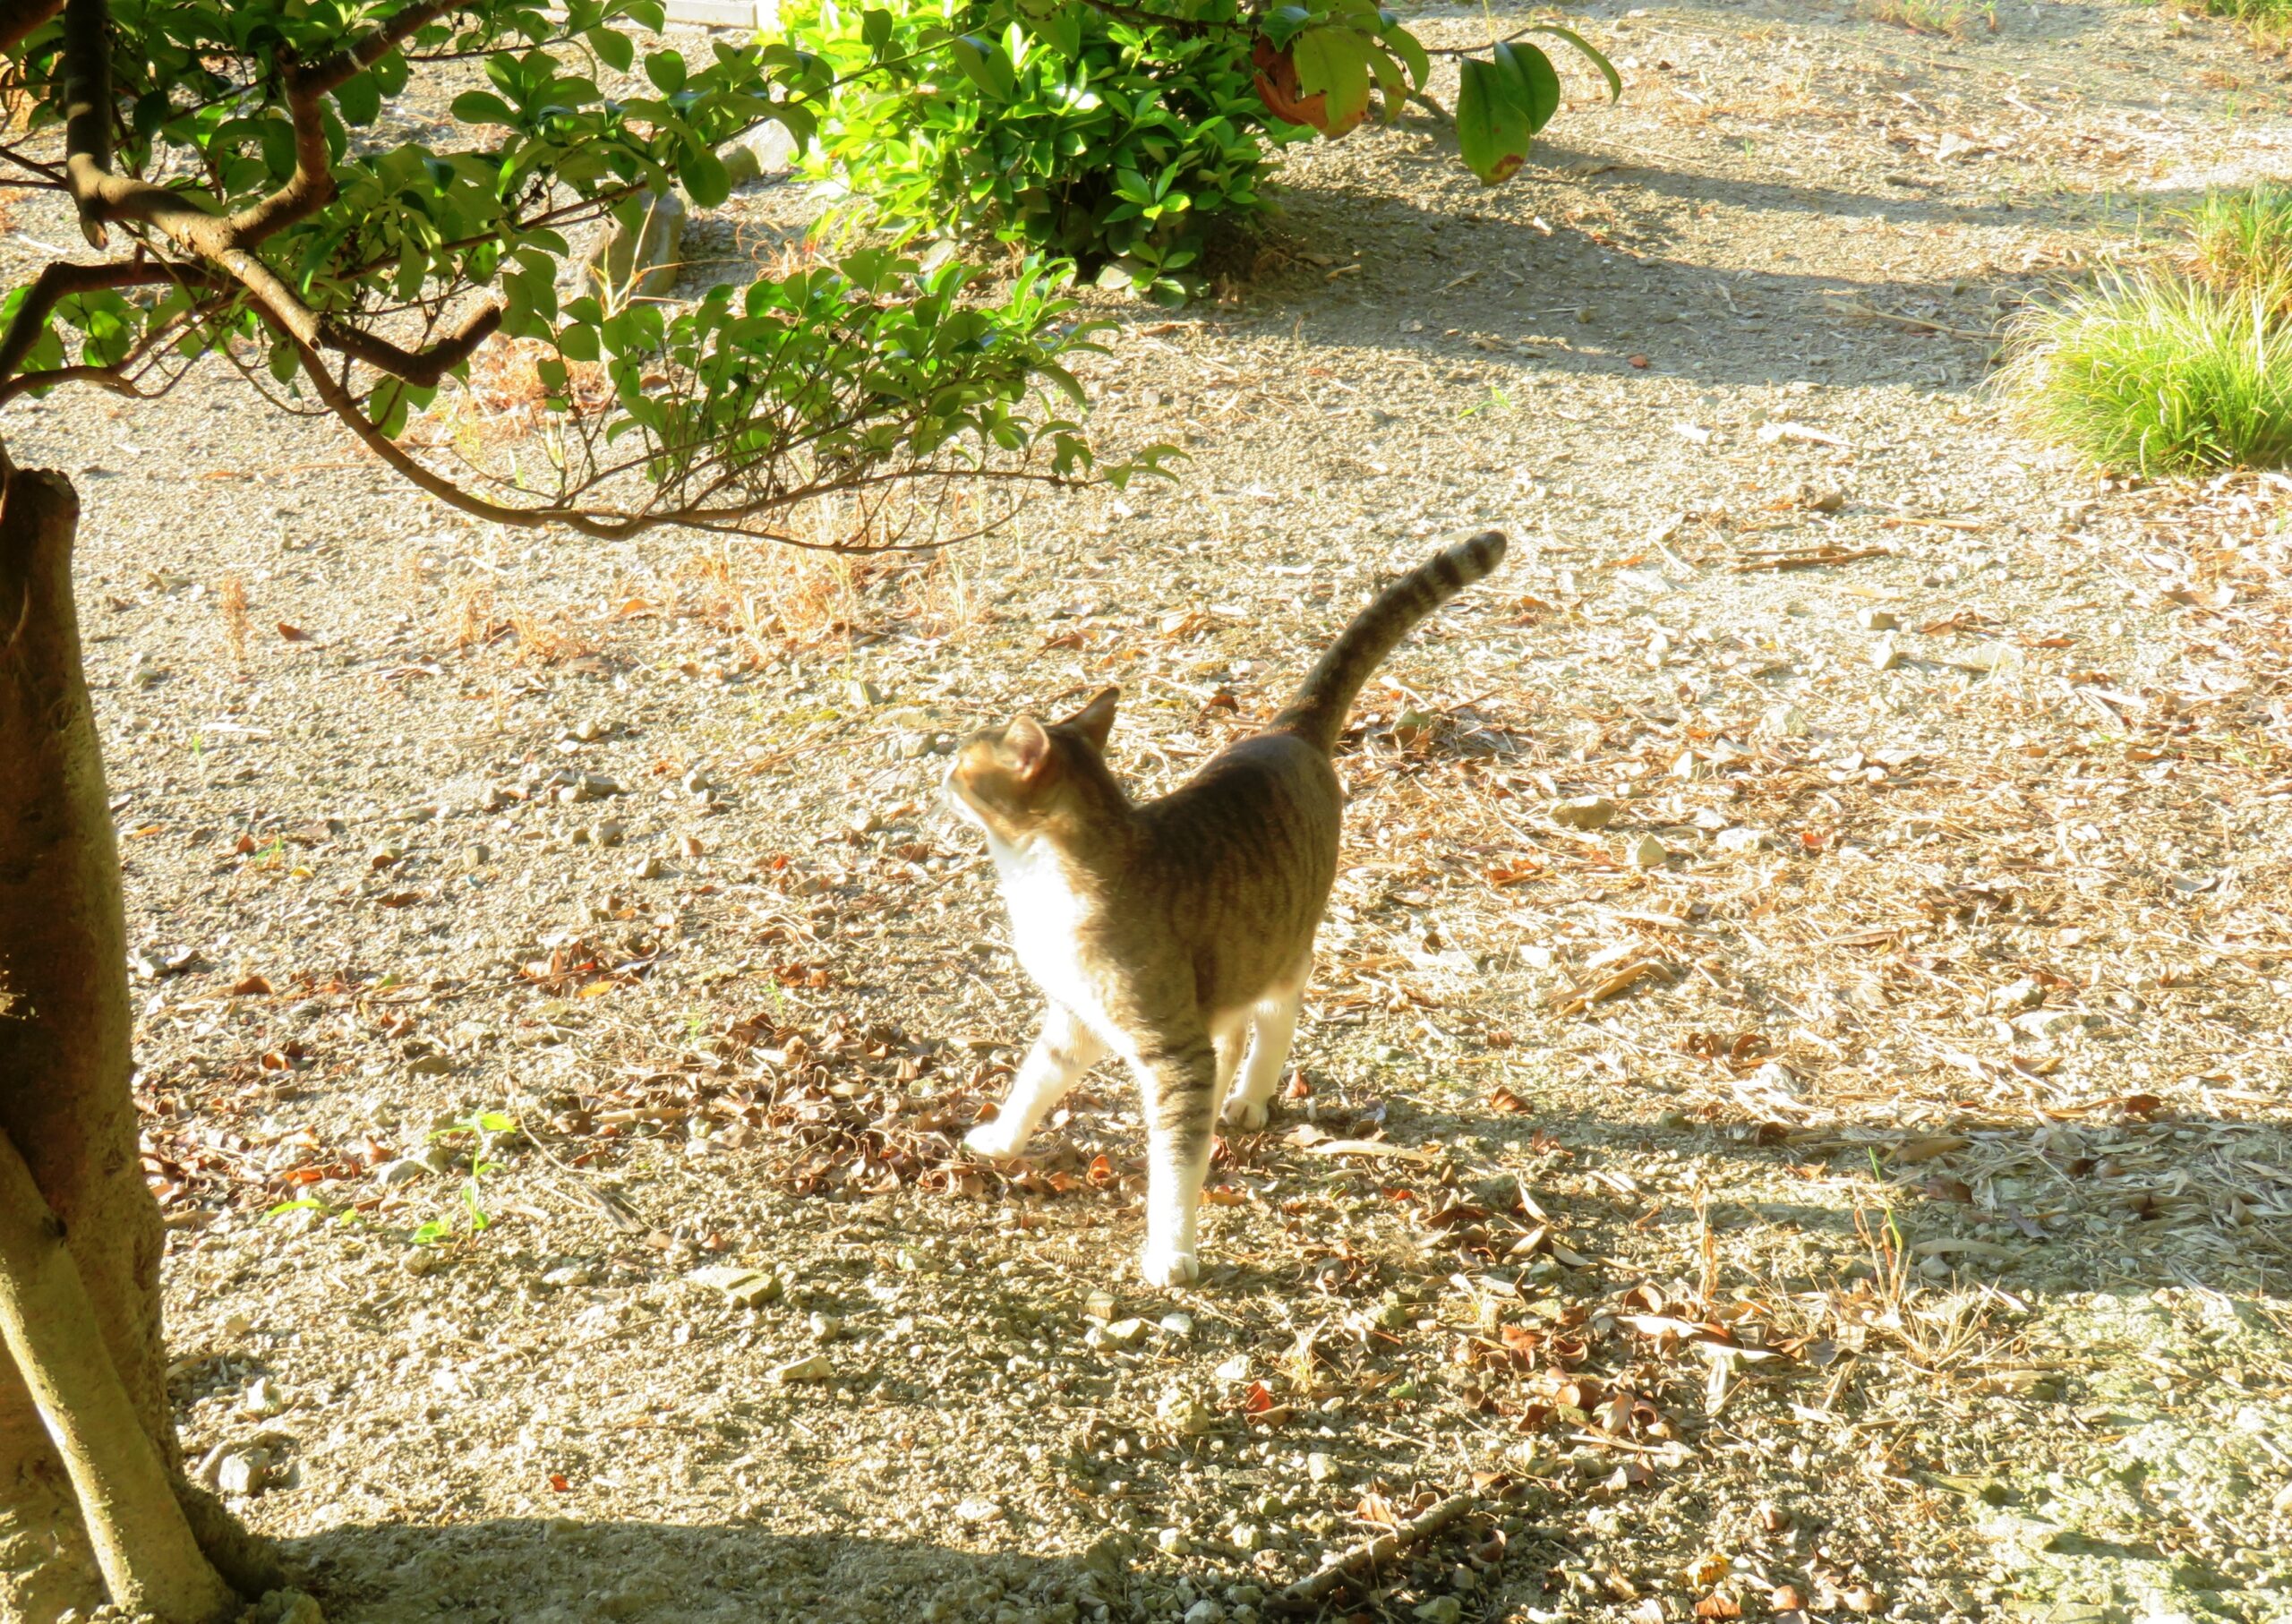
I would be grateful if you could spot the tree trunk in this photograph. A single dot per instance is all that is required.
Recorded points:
(81, 1237)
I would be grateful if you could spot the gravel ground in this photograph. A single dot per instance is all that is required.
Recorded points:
(1791, 1117)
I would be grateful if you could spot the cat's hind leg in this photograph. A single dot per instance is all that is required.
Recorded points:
(1066, 1049)
(1274, 1025)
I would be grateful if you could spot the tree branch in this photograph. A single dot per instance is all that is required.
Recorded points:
(150, 1560)
(311, 187)
(60, 279)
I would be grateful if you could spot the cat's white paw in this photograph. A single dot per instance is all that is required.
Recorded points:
(1244, 1115)
(1162, 1268)
(995, 1142)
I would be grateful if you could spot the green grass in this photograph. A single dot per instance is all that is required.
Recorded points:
(2270, 22)
(2243, 239)
(2158, 375)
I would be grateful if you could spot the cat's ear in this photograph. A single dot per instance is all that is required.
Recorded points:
(1095, 720)
(1027, 746)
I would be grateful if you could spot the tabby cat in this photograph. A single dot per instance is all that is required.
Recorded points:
(1165, 933)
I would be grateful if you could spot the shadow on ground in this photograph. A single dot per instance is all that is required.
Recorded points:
(558, 1570)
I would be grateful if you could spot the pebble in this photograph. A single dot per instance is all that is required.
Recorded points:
(243, 1471)
(566, 1275)
(1876, 619)
(748, 1287)
(1743, 840)
(648, 868)
(607, 831)
(1648, 852)
(404, 1170)
(1320, 1467)
(1206, 1612)
(1585, 812)
(1099, 1305)
(1442, 1610)
(1187, 1415)
(1126, 1333)
(2049, 1024)
(1885, 655)
(1247, 1538)
(1173, 1541)
(816, 1367)
(1178, 1325)
(262, 1398)
(2024, 994)
(422, 1260)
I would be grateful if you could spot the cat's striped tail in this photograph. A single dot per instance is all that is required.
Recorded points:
(1317, 711)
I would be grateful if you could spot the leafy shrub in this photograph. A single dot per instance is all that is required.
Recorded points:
(2158, 373)
(2243, 239)
(1117, 137)
(1113, 143)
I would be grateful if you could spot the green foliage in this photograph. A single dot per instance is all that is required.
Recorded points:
(1503, 102)
(2159, 374)
(2269, 21)
(1107, 142)
(2243, 239)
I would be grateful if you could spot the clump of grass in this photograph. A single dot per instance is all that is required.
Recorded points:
(2158, 373)
(1955, 19)
(2243, 239)
(2268, 22)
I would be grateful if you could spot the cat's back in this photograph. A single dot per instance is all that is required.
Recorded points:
(1265, 792)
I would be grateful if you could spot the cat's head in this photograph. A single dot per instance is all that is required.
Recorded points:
(1029, 778)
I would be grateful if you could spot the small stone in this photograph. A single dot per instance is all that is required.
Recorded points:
(2024, 994)
(764, 153)
(1442, 1610)
(422, 1260)
(1396, 1316)
(814, 1368)
(691, 849)
(383, 856)
(1099, 1305)
(284, 1607)
(1876, 619)
(608, 832)
(1126, 1333)
(1207, 1610)
(566, 1276)
(1743, 840)
(863, 693)
(977, 1511)
(1786, 721)
(243, 1471)
(1320, 1467)
(1247, 1538)
(1648, 852)
(825, 1328)
(1187, 1415)
(404, 1170)
(2049, 1024)
(647, 868)
(639, 256)
(1173, 1541)
(1178, 1325)
(262, 1398)
(747, 1287)
(1585, 812)
(913, 745)
(1885, 655)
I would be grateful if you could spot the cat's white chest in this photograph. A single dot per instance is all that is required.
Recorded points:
(1046, 918)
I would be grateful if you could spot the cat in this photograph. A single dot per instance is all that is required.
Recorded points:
(1167, 932)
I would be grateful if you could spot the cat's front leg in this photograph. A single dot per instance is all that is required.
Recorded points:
(1064, 1050)
(1181, 1082)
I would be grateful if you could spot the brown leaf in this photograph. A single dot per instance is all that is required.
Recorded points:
(1718, 1605)
(254, 986)
(293, 634)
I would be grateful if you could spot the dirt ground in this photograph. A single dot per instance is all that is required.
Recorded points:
(1853, 1181)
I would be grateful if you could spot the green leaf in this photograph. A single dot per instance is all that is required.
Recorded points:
(1606, 68)
(360, 98)
(703, 177)
(1531, 81)
(1405, 45)
(614, 50)
(1334, 61)
(483, 108)
(1491, 126)
(666, 69)
(984, 63)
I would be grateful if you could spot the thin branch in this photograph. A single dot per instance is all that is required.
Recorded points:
(58, 280)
